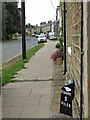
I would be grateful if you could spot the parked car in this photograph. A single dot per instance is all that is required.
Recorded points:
(42, 38)
(52, 35)
(36, 36)
(33, 35)
(46, 35)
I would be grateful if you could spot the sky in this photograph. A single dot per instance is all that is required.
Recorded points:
(40, 11)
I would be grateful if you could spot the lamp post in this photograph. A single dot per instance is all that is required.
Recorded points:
(23, 30)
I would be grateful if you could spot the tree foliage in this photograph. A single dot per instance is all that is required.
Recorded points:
(11, 20)
(29, 25)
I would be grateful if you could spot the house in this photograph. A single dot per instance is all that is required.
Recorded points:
(46, 27)
(76, 22)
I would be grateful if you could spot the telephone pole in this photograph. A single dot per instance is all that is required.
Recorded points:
(23, 30)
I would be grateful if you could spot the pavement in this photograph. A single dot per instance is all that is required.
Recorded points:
(26, 100)
(30, 96)
(0, 106)
(40, 66)
(36, 94)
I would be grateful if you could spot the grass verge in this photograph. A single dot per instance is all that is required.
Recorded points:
(55, 40)
(9, 71)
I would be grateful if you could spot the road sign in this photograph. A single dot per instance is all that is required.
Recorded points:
(67, 94)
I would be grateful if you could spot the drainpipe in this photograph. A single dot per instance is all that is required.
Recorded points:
(64, 27)
(56, 22)
(81, 67)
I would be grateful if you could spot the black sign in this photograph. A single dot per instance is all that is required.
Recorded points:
(67, 94)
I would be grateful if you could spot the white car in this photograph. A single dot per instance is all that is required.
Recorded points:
(52, 35)
(42, 38)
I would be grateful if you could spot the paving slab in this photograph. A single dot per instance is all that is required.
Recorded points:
(29, 112)
(11, 112)
(0, 106)
(15, 85)
(43, 112)
(45, 102)
(7, 101)
(16, 92)
(26, 101)
(33, 112)
(0, 101)
(5, 111)
(0, 113)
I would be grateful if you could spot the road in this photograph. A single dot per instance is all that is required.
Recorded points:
(14, 48)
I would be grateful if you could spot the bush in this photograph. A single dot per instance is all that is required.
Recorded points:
(57, 54)
(58, 45)
(61, 43)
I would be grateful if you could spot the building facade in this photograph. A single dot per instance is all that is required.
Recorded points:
(44, 28)
(73, 60)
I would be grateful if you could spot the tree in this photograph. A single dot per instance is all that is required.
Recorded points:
(28, 25)
(42, 23)
(49, 21)
(11, 20)
(4, 22)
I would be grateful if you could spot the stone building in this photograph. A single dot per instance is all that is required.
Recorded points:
(73, 59)
(45, 28)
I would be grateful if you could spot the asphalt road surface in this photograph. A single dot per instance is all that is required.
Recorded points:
(14, 48)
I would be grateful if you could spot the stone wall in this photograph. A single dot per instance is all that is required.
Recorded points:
(88, 54)
(73, 23)
(73, 40)
(85, 62)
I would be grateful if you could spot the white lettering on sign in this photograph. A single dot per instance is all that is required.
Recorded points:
(66, 93)
(65, 98)
(66, 104)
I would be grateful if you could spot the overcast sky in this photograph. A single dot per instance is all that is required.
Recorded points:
(40, 10)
